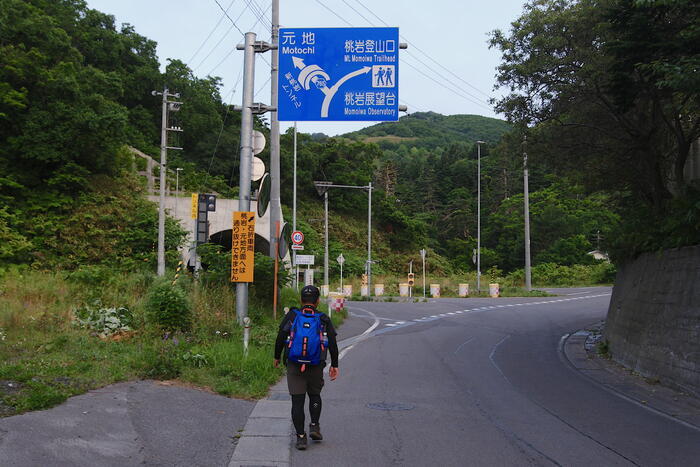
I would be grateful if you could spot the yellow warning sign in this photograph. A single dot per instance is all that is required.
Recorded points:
(243, 246)
(195, 198)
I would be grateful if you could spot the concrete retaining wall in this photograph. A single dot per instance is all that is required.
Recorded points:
(653, 324)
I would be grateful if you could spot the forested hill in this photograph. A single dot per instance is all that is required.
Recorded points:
(431, 130)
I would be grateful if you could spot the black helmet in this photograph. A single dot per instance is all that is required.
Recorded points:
(310, 294)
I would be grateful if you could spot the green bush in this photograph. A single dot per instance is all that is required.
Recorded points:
(168, 307)
(161, 361)
(555, 275)
(103, 320)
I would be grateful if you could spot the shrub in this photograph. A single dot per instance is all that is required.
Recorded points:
(103, 320)
(168, 307)
(162, 361)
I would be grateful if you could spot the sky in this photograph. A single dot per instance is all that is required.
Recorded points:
(447, 68)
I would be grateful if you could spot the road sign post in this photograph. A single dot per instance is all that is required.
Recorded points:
(339, 74)
(422, 255)
(341, 261)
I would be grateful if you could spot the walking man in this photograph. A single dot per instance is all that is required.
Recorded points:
(306, 335)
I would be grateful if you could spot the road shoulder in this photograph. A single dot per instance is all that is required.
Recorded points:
(580, 350)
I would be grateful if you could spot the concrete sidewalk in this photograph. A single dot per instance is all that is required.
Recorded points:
(135, 423)
(580, 350)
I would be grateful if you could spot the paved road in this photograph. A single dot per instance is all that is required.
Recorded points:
(139, 423)
(483, 382)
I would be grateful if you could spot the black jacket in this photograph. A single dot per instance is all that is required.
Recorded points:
(285, 327)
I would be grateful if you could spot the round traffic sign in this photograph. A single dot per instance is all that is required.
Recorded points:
(297, 237)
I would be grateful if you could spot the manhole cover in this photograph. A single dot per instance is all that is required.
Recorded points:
(390, 406)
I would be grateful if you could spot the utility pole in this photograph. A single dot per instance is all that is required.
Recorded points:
(526, 197)
(164, 128)
(275, 202)
(248, 108)
(478, 218)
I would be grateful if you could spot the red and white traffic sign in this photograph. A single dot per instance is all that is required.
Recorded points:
(297, 237)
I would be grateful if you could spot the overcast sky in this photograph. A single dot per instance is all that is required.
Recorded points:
(447, 43)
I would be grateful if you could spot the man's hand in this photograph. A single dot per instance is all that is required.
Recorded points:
(276, 363)
(333, 373)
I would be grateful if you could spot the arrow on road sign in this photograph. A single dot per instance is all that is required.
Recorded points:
(315, 74)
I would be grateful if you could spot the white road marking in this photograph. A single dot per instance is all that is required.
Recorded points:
(462, 345)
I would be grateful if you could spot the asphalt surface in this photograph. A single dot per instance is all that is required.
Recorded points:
(141, 423)
(484, 382)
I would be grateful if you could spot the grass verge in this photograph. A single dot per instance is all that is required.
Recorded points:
(46, 358)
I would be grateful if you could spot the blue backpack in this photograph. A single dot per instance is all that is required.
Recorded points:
(308, 340)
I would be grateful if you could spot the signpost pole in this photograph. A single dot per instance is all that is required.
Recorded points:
(294, 209)
(246, 155)
(277, 259)
(422, 254)
(369, 242)
(325, 255)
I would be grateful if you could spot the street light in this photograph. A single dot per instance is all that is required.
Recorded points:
(478, 217)
(322, 188)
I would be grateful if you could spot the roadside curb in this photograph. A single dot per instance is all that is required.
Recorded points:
(266, 437)
(578, 350)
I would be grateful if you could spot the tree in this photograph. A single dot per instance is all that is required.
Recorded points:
(609, 87)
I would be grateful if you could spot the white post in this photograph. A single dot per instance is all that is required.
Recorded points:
(246, 335)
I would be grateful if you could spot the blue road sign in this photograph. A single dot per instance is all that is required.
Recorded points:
(338, 74)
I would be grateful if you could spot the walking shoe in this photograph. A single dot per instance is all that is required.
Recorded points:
(301, 442)
(315, 431)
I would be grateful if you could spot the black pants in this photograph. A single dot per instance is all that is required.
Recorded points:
(310, 381)
(298, 401)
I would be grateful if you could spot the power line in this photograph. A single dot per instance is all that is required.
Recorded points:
(223, 122)
(230, 19)
(216, 26)
(458, 90)
(353, 9)
(262, 87)
(424, 53)
(336, 14)
(473, 101)
(260, 13)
